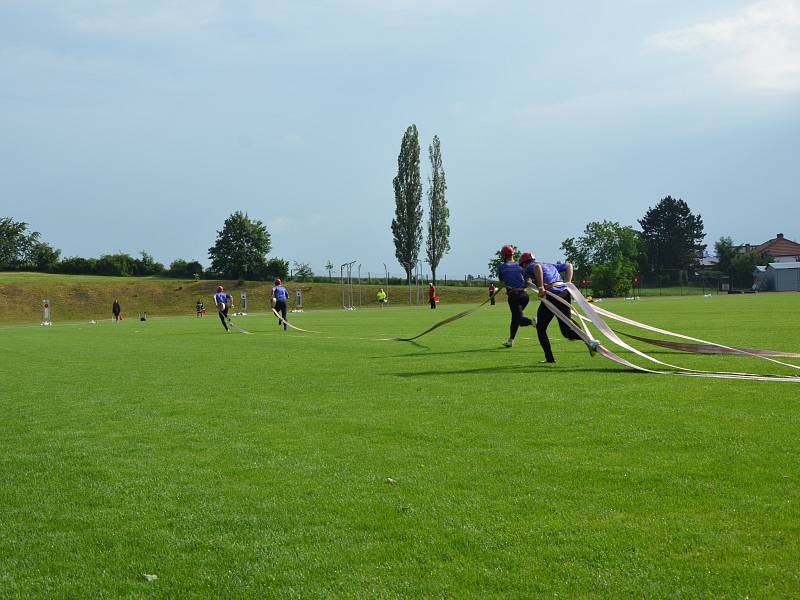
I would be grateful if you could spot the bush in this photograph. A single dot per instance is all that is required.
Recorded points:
(613, 278)
(274, 267)
(75, 265)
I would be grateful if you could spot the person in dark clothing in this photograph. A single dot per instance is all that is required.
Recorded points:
(280, 295)
(514, 280)
(547, 278)
(492, 292)
(220, 300)
(432, 295)
(116, 310)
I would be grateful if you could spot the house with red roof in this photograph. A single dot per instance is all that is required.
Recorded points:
(779, 248)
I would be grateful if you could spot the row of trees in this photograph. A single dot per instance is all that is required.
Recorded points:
(667, 248)
(240, 252)
(669, 243)
(407, 223)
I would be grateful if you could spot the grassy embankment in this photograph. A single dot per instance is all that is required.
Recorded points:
(78, 297)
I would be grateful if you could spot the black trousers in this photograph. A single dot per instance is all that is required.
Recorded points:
(280, 307)
(517, 301)
(433, 302)
(543, 317)
(223, 314)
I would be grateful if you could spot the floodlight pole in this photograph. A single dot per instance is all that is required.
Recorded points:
(350, 277)
(359, 284)
(341, 282)
(385, 268)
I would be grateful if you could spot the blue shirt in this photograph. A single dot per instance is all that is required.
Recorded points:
(551, 274)
(280, 293)
(221, 298)
(511, 275)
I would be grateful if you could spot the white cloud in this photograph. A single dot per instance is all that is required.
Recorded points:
(757, 47)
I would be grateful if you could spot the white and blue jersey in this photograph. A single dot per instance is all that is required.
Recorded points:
(221, 298)
(551, 275)
(280, 293)
(511, 275)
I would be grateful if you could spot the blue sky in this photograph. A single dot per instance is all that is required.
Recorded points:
(141, 125)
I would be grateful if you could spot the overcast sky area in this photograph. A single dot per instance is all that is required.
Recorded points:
(141, 125)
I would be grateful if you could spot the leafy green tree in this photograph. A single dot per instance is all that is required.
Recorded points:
(194, 269)
(274, 267)
(43, 257)
(742, 266)
(16, 243)
(613, 278)
(601, 243)
(723, 248)
(495, 262)
(147, 265)
(75, 265)
(302, 271)
(241, 247)
(438, 241)
(177, 268)
(121, 265)
(406, 225)
(672, 235)
(329, 268)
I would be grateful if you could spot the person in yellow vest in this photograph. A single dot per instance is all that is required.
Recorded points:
(381, 297)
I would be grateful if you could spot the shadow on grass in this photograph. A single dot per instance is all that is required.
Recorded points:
(525, 368)
(440, 353)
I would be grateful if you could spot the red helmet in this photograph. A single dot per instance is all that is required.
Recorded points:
(525, 258)
(220, 288)
(507, 251)
(277, 281)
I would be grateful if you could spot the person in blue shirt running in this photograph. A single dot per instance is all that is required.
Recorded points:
(513, 279)
(221, 300)
(547, 278)
(279, 297)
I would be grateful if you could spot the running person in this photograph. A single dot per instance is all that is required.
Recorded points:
(547, 278)
(514, 280)
(279, 297)
(221, 300)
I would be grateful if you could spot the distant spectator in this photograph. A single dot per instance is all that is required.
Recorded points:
(432, 295)
(492, 292)
(116, 310)
(200, 308)
(381, 297)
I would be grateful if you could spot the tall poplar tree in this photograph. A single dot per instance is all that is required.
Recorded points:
(406, 225)
(438, 242)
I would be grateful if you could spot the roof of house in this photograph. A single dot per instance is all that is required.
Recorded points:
(780, 246)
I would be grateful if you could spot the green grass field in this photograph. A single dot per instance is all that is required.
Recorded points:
(294, 465)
